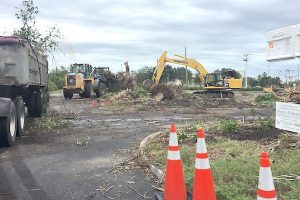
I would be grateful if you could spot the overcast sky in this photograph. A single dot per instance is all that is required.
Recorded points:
(216, 33)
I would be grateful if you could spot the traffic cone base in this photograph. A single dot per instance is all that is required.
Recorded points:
(204, 190)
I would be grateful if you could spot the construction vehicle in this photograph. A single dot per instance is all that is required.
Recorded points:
(214, 84)
(23, 82)
(87, 81)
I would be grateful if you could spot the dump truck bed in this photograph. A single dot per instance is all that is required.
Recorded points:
(21, 64)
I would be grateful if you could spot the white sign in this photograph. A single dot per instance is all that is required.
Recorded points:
(297, 40)
(288, 116)
(281, 44)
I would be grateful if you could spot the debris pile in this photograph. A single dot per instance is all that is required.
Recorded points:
(162, 92)
(125, 81)
(289, 95)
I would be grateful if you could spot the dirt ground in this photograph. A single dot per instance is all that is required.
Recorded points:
(56, 165)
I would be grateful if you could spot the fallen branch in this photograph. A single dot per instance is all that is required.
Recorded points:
(141, 195)
(158, 188)
(287, 177)
(116, 165)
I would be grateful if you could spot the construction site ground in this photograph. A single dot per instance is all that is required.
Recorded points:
(94, 155)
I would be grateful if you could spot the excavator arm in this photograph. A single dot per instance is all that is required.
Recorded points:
(180, 60)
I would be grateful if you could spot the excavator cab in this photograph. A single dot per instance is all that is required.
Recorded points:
(214, 80)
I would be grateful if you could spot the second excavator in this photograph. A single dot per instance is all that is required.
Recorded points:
(214, 84)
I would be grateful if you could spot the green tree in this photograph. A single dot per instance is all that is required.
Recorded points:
(57, 78)
(26, 13)
(228, 72)
(143, 74)
(180, 74)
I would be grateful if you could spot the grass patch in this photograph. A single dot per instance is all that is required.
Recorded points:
(234, 162)
(266, 123)
(229, 126)
(188, 131)
(235, 166)
(266, 99)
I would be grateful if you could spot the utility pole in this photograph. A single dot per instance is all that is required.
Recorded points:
(186, 70)
(246, 75)
(298, 74)
(269, 76)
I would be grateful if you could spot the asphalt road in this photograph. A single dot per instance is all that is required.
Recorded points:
(54, 166)
(58, 165)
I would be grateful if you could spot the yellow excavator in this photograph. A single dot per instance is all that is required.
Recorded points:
(214, 84)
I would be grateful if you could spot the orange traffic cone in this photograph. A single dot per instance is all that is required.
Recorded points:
(174, 182)
(266, 189)
(203, 181)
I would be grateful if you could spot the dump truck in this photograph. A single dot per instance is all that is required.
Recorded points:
(23, 83)
(87, 81)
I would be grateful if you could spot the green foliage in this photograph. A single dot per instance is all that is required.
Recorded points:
(228, 72)
(266, 123)
(264, 80)
(57, 78)
(266, 99)
(138, 92)
(169, 74)
(229, 126)
(26, 13)
(50, 121)
(52, 86)
(143, 74)
(190, 131)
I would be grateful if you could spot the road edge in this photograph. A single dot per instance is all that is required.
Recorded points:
(155, 170)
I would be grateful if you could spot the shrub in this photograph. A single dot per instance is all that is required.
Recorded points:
(266, 123)
(138, 92)
(229, 126)
(266, 99)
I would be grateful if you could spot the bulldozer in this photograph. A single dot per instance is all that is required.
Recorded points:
(87, 81)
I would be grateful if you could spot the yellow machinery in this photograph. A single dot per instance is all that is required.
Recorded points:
(79, 80)
(214, 84)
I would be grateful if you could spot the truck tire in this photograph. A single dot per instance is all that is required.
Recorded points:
(20, 109)
(31, 105)
(81, 94)
(101, 90)
(88, 90)
(8, 127)
(38, 104)
(68, 94)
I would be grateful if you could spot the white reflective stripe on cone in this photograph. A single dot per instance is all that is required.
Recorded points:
(265, 181)
(173, 139)
(202, 163)
(173, 155)
(261, 198)
(201, 146)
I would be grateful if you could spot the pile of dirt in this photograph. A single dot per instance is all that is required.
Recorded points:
(165, 92)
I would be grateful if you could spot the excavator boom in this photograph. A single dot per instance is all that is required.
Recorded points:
(180, 60)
